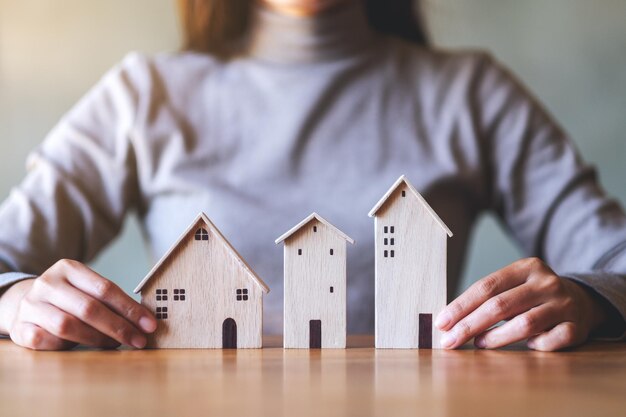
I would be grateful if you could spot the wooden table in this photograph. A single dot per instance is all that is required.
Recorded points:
(359, 381)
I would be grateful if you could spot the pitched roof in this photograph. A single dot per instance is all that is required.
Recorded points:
(203, 217)
(307, 220)
(403, 179)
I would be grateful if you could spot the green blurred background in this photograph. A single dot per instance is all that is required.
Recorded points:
(572, 54)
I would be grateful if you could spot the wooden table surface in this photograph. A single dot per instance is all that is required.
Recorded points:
(358, 381)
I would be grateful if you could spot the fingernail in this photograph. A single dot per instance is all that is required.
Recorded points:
(138, 341)
(442, 319)
(147, 324)
(479, 342)
(447, 340)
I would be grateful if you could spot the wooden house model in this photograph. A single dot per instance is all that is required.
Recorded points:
(410, 283)
(314, 284)
(203, 293)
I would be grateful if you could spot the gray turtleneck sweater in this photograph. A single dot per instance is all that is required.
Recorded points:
(319, 115)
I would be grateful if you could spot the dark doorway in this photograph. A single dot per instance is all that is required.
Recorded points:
(425, 331)
(229, 334)
(315, 334)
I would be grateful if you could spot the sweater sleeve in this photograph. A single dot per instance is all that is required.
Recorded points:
(548, 198)
(80, 183)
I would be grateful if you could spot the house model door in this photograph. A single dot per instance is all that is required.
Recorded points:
(229, 334)
(315, 334)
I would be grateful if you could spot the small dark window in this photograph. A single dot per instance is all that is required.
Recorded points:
(332, 290)
(161, 294)
(386, 253)
(386, 241)
(392, 253)
(299, 251)
(179, 294)
(158, 291)
(392, 241)
(403, 193)
(161, 313)
(391, 229)
(386, 229)
(242, 294)
(332, 252)
(202, 234)
(315, 228)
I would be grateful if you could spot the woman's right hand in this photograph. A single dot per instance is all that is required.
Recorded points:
(70, 304)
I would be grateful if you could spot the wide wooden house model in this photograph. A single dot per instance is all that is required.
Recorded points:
(203, 293)
(314, 284)
(411, 250)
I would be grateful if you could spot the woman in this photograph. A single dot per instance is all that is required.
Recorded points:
(279, 109)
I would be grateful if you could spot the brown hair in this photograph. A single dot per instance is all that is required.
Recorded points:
(215, 26)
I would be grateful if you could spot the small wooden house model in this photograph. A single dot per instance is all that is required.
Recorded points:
(411, 250)
(315, 285)
(203, 293)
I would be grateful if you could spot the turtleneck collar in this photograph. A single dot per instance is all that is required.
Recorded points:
(340, 33)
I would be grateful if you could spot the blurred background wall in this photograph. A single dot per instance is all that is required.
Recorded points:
(572, 54)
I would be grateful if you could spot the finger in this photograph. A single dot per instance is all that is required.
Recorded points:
(563, 335)
(64, 326)
(34, 337)
(110, 294)
(482, 290)
(95, 314)
(507, 304)
(521, 327)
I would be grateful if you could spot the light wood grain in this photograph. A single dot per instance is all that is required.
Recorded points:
(411, 250)
(310, 273)
(277, 382)
(210, 271)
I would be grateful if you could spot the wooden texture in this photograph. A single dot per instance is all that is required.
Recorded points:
(315, 262)
(411, 245)
(275, 382)
(222, 294)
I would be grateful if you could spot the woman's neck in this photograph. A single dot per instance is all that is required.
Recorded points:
(303, 8)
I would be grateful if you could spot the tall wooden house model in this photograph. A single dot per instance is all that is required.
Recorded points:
(203, 293)
(411, 248)
(315, 284)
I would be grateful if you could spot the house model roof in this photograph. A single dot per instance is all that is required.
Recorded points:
(403, 179)
(203, 218)
(307, 220)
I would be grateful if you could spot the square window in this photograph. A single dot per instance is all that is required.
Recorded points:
(165, 291)
(165, 298)
(164, 309)
(386, 253)
(158, 309)
(164, 316)
(239, 291)
(158, 291)
(245, 298)
(182, 297)
(182, 290)
(158, 298)
(159, 316)
(245, 291)
(175, 291)
(386, 229)
(175, 298)
(239, 297)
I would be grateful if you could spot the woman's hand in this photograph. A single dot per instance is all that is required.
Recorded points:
(70, 304)
(550, 312)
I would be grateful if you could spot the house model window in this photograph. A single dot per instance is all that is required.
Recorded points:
(315, 228)
(242, 294)
(332, 251)
(403, 193)
(202, 234)
(161, 294)
(161, 313)
(332, 290)
(179, 294)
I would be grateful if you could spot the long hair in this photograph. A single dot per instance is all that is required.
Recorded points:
(215, 26)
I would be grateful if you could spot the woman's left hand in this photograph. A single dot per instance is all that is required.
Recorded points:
(548, 311)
